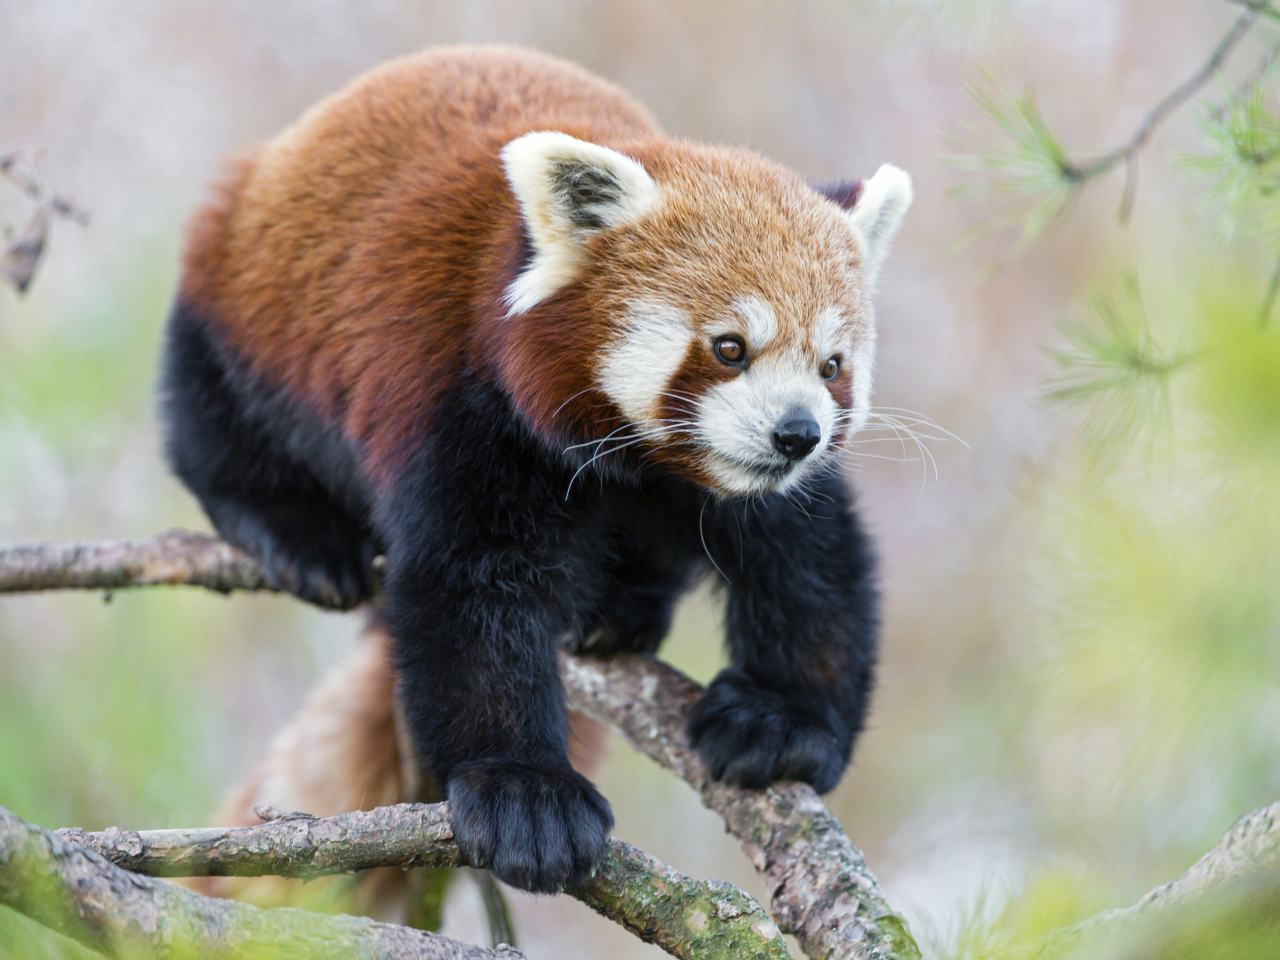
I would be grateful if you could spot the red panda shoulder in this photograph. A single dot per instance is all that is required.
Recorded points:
(352, 261)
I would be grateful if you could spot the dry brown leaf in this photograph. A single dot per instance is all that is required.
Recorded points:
(23, 252)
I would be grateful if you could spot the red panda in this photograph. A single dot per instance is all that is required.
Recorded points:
(475, 315)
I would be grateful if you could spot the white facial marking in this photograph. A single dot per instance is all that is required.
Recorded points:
(762, 322)
(737, 420)
(655, 340)
(863, 363)
(568, 189)
(830, 333)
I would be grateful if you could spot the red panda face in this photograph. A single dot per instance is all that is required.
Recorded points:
(727, 303)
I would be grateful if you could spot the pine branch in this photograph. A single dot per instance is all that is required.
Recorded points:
(688, 918)
(1260, 7)
(1081, 172)
(1022, 154)
(71, 889)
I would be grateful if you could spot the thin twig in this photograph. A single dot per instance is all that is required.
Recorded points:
(1079, 173)
(1246, 86)
(1269, 301)
(11, 171)
(1250, 847)
(686, 917)
(1261, 7)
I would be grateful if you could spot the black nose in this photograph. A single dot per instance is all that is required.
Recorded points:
(796, 436)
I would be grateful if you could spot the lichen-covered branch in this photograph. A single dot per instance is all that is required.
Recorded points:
(820, 888)
(706, 920)
(173, 557)
(709, 920)
(292, 845)
(71, 889)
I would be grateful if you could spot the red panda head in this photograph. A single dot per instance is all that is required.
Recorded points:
(721, 306)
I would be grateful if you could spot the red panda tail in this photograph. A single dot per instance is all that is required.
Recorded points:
(347, 749)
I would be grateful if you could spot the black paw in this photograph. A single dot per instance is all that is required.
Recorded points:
(335, 572)
(302, 547)
(607, 640)
(537, 828)
(750, 736)
(631, 628)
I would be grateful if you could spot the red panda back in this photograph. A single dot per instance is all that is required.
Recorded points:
(344, 261)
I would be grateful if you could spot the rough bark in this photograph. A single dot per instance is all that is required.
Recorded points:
(292, 845)
(820, 887)
(821, 890)
(172, 557)
(688, 918)
(71, 889)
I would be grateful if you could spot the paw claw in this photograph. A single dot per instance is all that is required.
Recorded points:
(539, 828)
(751, 736)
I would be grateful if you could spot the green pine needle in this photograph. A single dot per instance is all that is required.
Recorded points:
(1015, 153)
(1243, 157)
(1112, 367)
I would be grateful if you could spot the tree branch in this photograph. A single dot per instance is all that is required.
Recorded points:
(171, 558)
(821, 890)
(71, 889)
(820, 887)
(22, 250)
(11, 170)
(688, 918)
(1262, 7)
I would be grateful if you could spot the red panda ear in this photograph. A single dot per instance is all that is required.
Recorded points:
(843, 193)
(878, 209)
(568, 189)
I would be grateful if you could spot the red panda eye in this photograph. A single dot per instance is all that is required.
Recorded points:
(830, 368)
(730, 350)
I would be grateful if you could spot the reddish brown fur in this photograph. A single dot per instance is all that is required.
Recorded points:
(359, 259)
(315, 261)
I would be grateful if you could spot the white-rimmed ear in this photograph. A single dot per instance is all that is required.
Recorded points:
(568, 189)
(878, 213)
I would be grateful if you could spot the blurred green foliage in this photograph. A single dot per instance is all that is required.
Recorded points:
(1150, 675)
(122, 730)
(1016, 154)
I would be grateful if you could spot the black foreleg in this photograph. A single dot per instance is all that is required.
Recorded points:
(479, 592)
(482, 688)
(802, 622)
(258, 495)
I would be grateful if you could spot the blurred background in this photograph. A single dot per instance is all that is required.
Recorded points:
(1078, 688)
